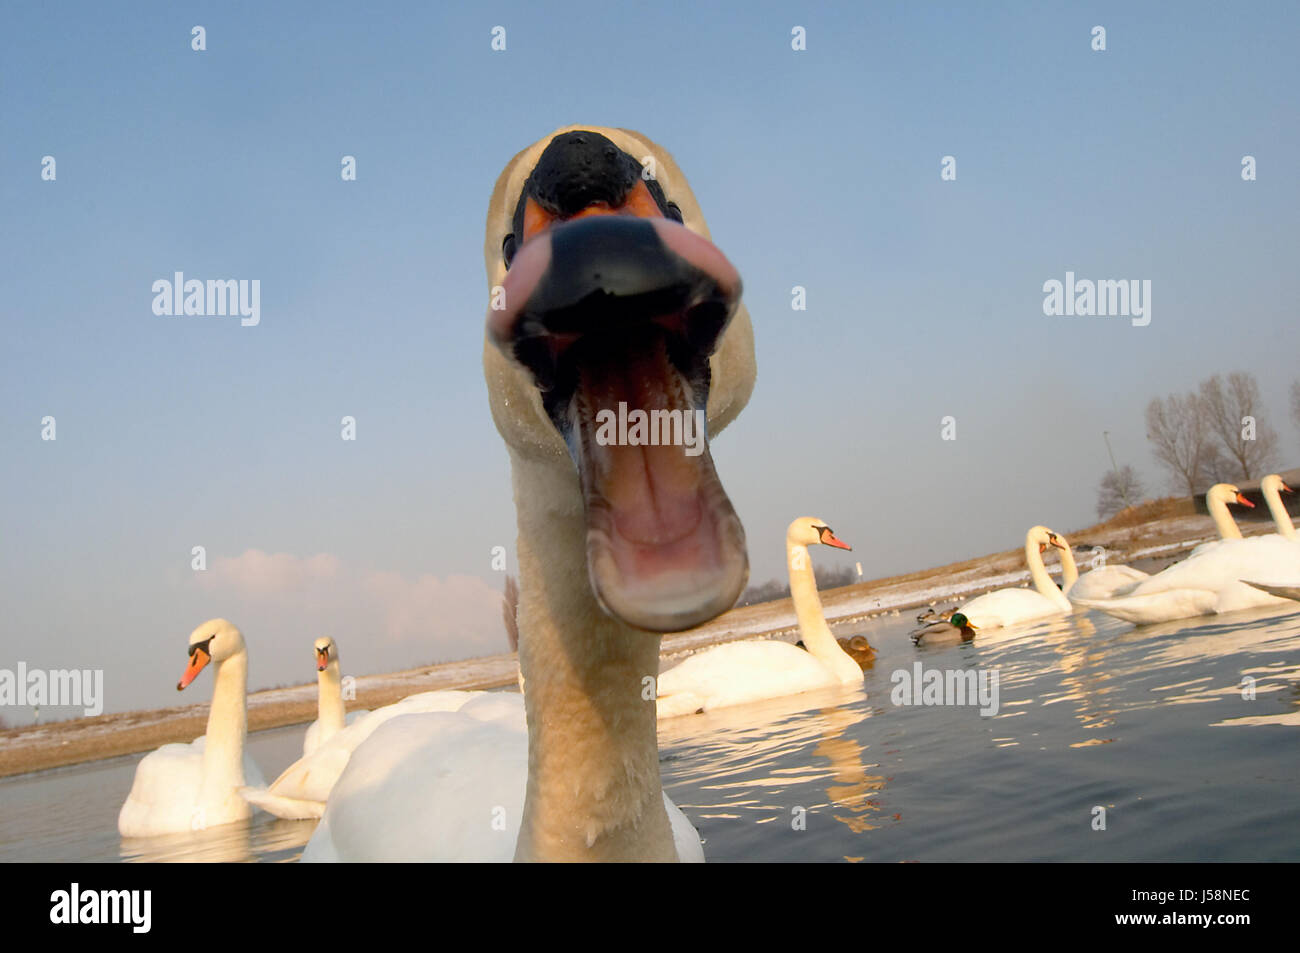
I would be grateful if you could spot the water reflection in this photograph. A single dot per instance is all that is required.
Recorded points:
(794, 763)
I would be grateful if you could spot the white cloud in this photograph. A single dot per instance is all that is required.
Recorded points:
(381, 618)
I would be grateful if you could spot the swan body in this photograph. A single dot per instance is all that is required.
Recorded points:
(740, 672)
(1107, 582)
(185, 787)
(1007, 607)
(1208, 582)
(312, 738)
(573, 221)
(443, 786)
(303, 788)
(331, 714)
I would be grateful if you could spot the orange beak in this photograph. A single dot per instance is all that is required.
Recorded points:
(639, 203)
(322, 659)
(830, 539)
(1287, 489)
(198, 659)
(1244, 502)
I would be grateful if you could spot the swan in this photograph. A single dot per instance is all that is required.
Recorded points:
(331, 715)
(1106, 582)
(749, 670)
(1273, 487)
(1012, 606)
(606, 290)
(1209, 581)
(303, 788)
(184, 787)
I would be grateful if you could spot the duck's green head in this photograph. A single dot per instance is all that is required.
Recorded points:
(961, 622)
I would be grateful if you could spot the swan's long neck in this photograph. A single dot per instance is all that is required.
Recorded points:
(223, 751)
(1042, 581)
(817, 637)
(1069, 568)
(331, 714)
(594, 791)
(1223, 520)
(1280, 516)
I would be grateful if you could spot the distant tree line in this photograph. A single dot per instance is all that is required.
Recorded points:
(1213, 434)
(828, 577)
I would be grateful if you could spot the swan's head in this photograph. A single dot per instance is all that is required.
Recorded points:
(1274, 484)
(809, 531)
(326, 652)
(1226, 493)
(616, 344)
(213, 641)
(1042, 537)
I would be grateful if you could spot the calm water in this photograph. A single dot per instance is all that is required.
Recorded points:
(1149, 724)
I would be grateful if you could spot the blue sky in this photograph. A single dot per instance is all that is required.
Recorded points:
(817, 168)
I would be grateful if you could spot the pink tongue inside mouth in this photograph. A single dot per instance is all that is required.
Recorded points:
(664, 548)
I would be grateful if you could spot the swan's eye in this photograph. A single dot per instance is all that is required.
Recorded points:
(508, 249)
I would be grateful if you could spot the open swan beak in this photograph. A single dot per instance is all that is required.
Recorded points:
(614, 308)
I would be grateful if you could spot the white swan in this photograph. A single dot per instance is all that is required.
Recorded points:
(1208, 581)
(749, 670)
(1105, 582)
(184, 787)
(302, 789)
(1013, 606)
(331, 714)
(606, 300)
(1273, 487)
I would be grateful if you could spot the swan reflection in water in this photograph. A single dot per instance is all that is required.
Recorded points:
(757, 764)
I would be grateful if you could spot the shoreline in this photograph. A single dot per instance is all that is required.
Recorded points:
(1175, 530)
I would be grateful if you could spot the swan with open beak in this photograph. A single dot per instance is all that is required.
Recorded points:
(609, 295)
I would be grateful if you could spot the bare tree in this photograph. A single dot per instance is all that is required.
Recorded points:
(1115, 488)
(1232, 412)
(1180, 440)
